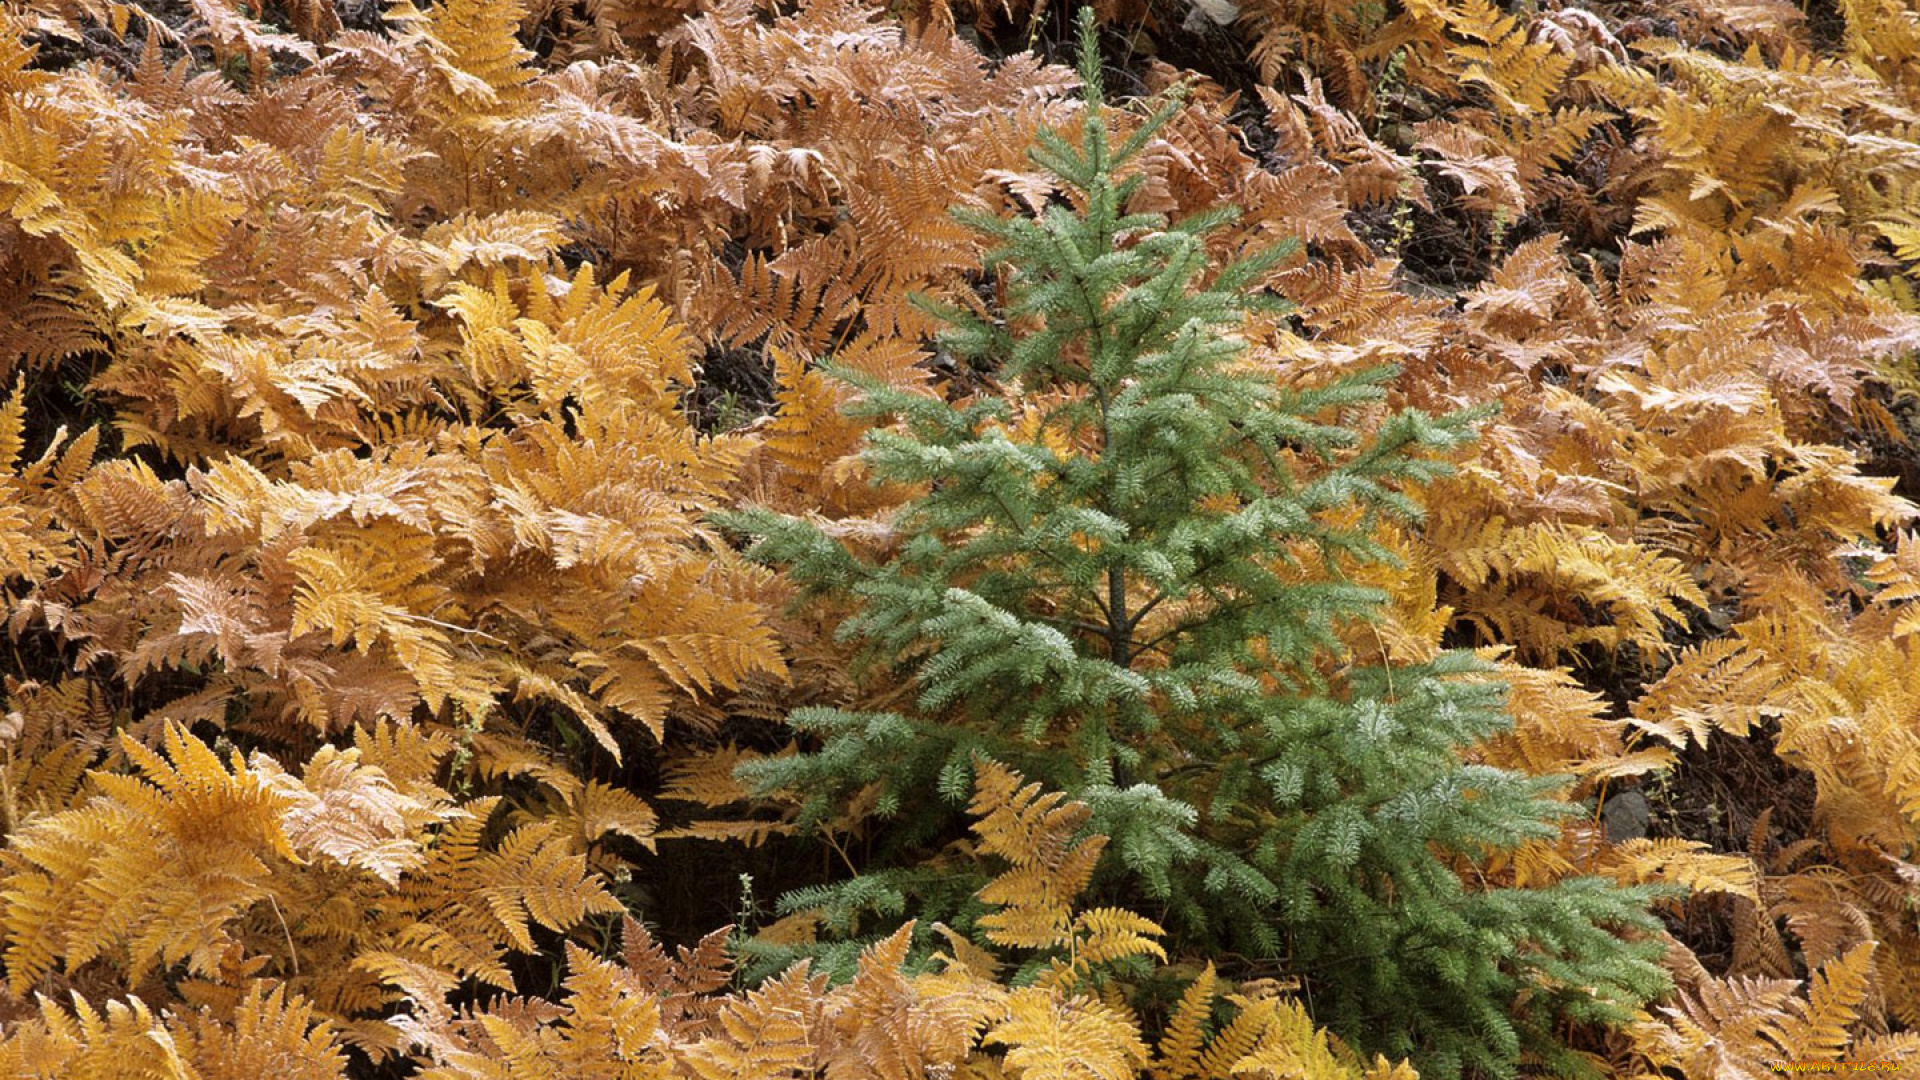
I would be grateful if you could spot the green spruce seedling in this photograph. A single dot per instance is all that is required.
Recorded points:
(1150, 620)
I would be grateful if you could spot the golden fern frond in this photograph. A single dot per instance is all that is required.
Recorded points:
(1291, 1048)
(535, 878)
(1685, 862)
(608, 1020)
(1238, 1038)
(1824, 909)
(29, 549)
(1562, 727)
(600, 810)
(351, 813)
(1025, 825)
(455, 916)
(531, 683)
(1897, 575)
(1520, 74)
(1177, 1055)
(1758, 945)
(764, 1033)
(363, 168)
(233, 34)
(1036, 833)
(898, 1027)
(1718, 684)
(471, 45)
(1382, 1069)
(965, 954)
(1370, 171)
(628, 342)
(707, 778)
(1103, 935)
(1048, 1038)
(357, 594)
(191, 231)
(270, 1032)
(602, 1020)
(1817, 1029)
(158, 863)
(1716, 1029)
(794, 301)
(1489, 179)
(488, 241)
(810, 429)
(408, 754)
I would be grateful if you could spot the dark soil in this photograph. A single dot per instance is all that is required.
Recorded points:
(1715, 794)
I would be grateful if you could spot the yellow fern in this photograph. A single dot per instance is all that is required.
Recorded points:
(270, 1033)
(1177, 1055)
(1036, 833)
(1079, 1039)
(157, 863)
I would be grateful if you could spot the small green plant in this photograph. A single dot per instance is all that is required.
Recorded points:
(746, 914)
(1402, 219)
(731, 412)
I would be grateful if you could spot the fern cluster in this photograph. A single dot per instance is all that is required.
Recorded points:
(368, 374)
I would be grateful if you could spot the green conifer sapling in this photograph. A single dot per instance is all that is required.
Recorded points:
(1137, 600)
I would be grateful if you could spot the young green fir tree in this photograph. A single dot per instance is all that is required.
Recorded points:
(1134, 600)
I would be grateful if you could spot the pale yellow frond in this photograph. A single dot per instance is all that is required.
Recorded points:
(1048, 1038)
(1177, 1057)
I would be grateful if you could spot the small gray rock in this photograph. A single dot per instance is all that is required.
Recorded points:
(1626, 814)
(1217, 12)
